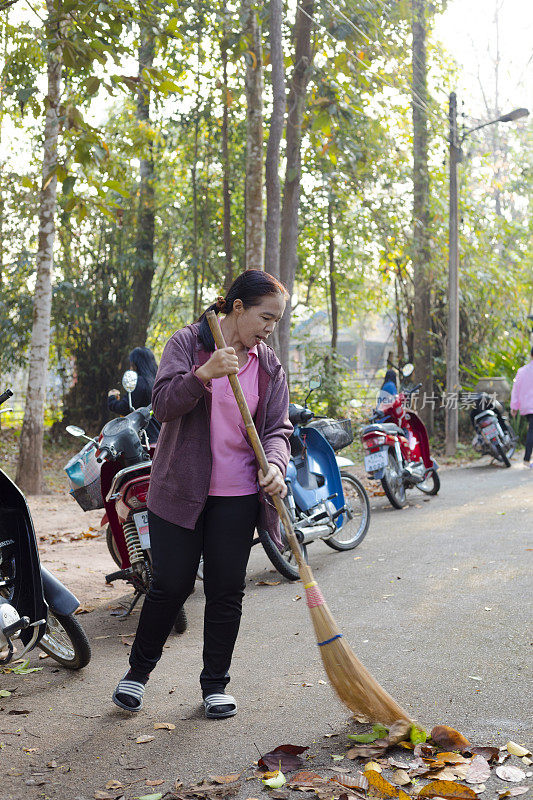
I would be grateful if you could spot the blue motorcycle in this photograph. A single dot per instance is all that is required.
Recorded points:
(325, 501)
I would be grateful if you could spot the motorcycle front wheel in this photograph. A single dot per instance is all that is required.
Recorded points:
(393, 484)
(355, 526)
(65, 641)
(284, 561)
(431, 485)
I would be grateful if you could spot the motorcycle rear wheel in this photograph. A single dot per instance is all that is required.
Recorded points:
(284, 562)
(355, 527)
(502, 456)
(65, 641)
(393, 484)
(112, 547)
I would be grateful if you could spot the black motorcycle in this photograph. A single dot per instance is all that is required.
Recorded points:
(35, 607)
(493, 435)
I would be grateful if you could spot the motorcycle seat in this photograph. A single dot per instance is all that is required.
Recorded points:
(385, 427)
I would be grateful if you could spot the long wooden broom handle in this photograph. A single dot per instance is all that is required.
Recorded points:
(251, 430)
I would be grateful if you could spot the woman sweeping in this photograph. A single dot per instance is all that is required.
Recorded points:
(204, 495)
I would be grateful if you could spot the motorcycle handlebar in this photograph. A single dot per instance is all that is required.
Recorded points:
(104, 453)
(5, 396)
(414, 389)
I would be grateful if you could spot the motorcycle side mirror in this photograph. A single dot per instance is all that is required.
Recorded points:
(355, 403)
(74, 430)
(314, 383)
(129, 380)
(407, 370)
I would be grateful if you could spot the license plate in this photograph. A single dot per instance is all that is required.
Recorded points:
(141, 522)
(490, 431)
(375, 461)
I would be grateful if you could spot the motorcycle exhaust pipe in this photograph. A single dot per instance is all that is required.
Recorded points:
(312, 532)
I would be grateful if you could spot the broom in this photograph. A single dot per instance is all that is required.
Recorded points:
(353, 683)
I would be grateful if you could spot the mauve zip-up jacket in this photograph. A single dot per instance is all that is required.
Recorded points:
(181, 468)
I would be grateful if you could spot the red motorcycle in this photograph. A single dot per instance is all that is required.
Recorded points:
(396, 449)
(113, 472)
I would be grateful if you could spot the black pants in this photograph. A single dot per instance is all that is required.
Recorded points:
(223, 534)
(529, 438)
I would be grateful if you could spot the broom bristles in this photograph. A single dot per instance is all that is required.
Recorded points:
(353, 683)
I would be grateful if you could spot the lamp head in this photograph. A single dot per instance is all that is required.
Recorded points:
(518, 113)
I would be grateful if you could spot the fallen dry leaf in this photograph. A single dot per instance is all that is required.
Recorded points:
(234, 776)
(400, 778)
(447, 789)
(490, 753)
(478, 771)
(453, 758)
(508, 773)
(424, 750)
(517, 749)
(373, 765)
(358, 781)
(286, 758)
(449, 738)
(514, 791)
(164, 726)
(154, 783)
(394, 762)
(268, 583)
(113, 784)
(380, 784)
(143, 739)
(85, 608)
(305, 777)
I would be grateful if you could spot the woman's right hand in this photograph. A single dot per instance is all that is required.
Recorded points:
(222, 362)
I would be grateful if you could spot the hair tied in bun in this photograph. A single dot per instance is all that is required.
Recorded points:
(221, 303)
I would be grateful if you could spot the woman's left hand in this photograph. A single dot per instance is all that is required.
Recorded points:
(272, 482)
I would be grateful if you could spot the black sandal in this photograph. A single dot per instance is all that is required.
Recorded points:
(133, 690)
(219, 705)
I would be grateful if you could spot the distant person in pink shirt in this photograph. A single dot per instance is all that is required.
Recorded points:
(206, 493)
(522, 401)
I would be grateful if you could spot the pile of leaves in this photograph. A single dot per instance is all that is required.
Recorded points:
(455, 768)
(444, 765)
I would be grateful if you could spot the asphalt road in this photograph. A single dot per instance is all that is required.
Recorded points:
(435, 602)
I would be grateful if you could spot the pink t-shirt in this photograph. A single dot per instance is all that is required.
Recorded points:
(234, 468)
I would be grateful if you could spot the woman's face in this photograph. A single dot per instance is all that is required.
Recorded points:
(256, 323)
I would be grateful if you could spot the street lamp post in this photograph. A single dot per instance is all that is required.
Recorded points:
(452, 349)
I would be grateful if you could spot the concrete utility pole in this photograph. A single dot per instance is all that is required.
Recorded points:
(452, 349)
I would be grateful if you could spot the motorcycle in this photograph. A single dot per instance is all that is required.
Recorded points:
(324, 500)
(396, 448)
(493, 435)
(35, 607)
(113, 472)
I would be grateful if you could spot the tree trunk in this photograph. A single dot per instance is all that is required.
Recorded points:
(421, 256)
(254, 138)
(332, 282)
(225, 161)
(332, 362)
(277, 120)
(291, 190)
(30, 461)
(141, 290)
